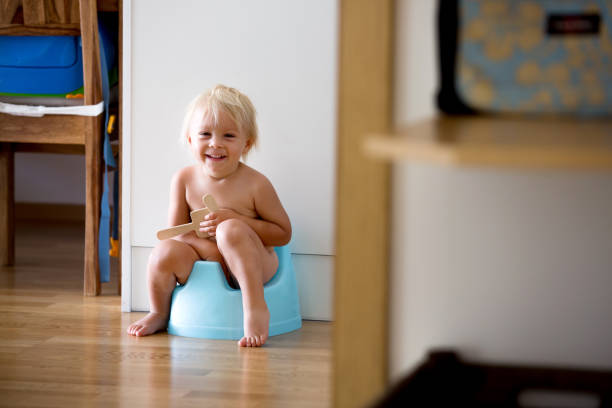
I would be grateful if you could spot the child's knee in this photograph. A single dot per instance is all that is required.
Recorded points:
(231, 232)
(164, 256)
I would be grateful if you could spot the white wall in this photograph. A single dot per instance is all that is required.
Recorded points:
(415, 60)
(283, 55)
(504, 265)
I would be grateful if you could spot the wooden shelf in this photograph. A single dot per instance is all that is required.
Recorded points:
(551, 142)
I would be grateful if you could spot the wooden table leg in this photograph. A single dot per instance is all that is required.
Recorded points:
(7, 204)
(93, 194)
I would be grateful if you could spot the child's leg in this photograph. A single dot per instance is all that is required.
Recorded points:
(253, 265)
(170, 262)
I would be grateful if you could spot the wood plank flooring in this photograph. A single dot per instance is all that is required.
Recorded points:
(60, 349)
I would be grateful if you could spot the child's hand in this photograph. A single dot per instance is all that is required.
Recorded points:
(213, 219)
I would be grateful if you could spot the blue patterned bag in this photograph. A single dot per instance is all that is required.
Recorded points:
(520, 56)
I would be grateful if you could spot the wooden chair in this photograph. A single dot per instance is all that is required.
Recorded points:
(56, 133)
(446, 380)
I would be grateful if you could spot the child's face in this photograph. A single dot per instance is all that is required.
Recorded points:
(218, 146)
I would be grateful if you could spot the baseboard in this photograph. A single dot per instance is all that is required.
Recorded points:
(50, 211)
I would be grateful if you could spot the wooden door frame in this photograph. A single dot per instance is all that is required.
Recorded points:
(360, 345)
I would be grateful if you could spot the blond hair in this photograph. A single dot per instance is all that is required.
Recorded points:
(229, 100)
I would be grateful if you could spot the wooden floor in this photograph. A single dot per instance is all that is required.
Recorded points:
(60, 349)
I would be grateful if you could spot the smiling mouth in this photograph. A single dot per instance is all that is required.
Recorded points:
(215, 156)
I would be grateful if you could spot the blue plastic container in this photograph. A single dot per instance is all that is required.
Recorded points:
(45, 65)
(207, 307)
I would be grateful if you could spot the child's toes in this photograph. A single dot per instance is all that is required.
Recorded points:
(252, 341)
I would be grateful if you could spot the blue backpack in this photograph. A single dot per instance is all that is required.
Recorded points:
(525, 56)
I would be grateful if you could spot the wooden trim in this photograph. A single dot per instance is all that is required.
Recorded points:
(93, 194)
(8, 10)
(109, 5)
(93, 144)
(92, 83)
(34, 30)
(7, 192)
(361, 269)
(50, 212)
(501, 141)
(56, 148)
(49, 148)
(54, 129)
(54, 17)
(37, 17)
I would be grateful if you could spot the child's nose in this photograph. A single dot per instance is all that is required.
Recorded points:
(216, 140)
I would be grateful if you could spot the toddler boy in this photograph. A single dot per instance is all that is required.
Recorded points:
(220, 129)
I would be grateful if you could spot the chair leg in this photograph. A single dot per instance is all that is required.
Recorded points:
(93, 194)
(7, 204)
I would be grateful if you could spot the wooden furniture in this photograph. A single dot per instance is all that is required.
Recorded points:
(362, 202)
(489, 142)
(58, 134)
(366, 148)
(543, 142)
(444, 379)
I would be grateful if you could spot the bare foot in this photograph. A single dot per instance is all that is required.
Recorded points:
(256, 324)
(151, 323)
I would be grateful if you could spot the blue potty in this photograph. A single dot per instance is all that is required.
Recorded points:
(207, 307)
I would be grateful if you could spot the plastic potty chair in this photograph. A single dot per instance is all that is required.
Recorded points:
(207, 307)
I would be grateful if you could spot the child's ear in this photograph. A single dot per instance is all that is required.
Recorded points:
(247, 147)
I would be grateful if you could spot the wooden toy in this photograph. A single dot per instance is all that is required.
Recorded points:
(197, 216)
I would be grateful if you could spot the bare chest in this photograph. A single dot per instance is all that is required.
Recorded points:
(235, 196)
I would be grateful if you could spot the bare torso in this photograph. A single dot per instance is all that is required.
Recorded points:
(234, 192)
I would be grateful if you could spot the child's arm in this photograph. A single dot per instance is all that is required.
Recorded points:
(273, 226)
(178, 209)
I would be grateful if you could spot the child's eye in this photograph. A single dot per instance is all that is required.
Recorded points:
(229, 135)
(205, 134)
